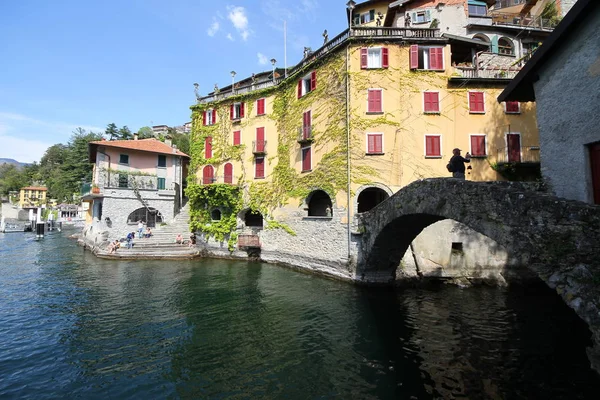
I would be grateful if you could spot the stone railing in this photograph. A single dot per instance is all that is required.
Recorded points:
(486, 73)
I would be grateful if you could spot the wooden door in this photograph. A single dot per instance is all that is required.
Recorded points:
(595, 165)
(207, 175)
(513, 142)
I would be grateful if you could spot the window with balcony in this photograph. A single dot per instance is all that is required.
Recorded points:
(307, 84)
(363, 18)
(421, 17)
(505, 47)
(477, 8)
(161, 183)
(431, 102)
(427, 58)
(236, 111)
(433, 146)
(306, 130)
(124, 159)
(162, 161)
(478, 146)
(476, 103)
(209, 117)
(374, 57)
(374, 143)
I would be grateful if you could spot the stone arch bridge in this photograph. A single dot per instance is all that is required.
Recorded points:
(559, 238)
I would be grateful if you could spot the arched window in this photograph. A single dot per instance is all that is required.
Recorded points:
(319, 204)
(483, 38)
(228, 173)
(215, 214)
(370, 197)
(150, 216)
(208, 175)
(253, 219)
(505, 46)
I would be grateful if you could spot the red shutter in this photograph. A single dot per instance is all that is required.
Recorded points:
(431, 102)
(306, 159)
(378, 144)
(204, 118)
(313, 81)
(478, 145)
(259, 170)
(231, 112)
(476, 102)
(414, 56)
(385, 58)
(237, 138)
(208, 147)
(374, 101)
(306, 122)
(242, 110)
(370, 143)
(228, 172)
(260, 106)
(300, 88)
(207, 175)
(432, 146)
(363, 58)
(260, 139)
(512, 106)
(436, 58)
(214, 115)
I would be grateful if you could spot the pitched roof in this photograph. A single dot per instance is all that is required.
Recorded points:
(41, 188)
(521, 87)
(149, 145)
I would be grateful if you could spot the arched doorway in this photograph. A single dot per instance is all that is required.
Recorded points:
(150, 216)
(370, 197)
(319, 204)
(253, 219)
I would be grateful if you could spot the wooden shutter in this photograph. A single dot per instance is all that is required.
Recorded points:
(512, 106)
(207, 175)
(259, 170)
(300, 88)
(414, 56)
(313, 81)
(228, 173)
(371, 15)
(364, 58)
(374, 143)
(495, 44)
(260, 106)
(214, 112)
(478, 145)
(237, 138)
(427, 15)
(436, 58)
(231, 112)
(431, 102)
(476, 102)
(306, 159)
(242, 110)
(260, 139)
(204, 118)
(385, 58)
(432, 146)
(208, 147)
(374, 101)
(306, 122)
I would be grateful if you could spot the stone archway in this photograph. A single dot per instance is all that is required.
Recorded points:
(369, 198)
(319, 203)
(370, 186)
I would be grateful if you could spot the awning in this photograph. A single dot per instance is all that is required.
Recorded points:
(462, 39)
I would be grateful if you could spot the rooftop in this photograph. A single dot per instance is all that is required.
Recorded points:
(148, 145)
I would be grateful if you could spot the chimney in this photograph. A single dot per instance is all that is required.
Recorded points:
(168, 141)
(174, 149)
(135, 136)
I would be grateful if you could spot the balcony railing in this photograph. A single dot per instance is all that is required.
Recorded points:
(487, 73)
(522, 21)
(259, 146)
(526, 154)
(305, 134)
(508, 3)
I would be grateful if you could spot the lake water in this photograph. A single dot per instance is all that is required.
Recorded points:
(74, 326)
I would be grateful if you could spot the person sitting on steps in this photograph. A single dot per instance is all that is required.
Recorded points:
(179, 239)
(148, 232)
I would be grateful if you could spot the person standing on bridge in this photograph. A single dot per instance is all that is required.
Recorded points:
(458, 163)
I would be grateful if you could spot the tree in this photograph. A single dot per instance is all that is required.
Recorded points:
(112, 131)
(125, 133)
(145, 132)
(11, 178)
(182, 141)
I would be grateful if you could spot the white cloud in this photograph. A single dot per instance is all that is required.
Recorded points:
(230, 37)
(22, 150)
(237, 16)
(214, 28)
(262, 59)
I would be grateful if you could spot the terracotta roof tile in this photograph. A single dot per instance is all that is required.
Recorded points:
(150, 145)
(35, 188)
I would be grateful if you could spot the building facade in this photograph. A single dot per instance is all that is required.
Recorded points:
(32, 196)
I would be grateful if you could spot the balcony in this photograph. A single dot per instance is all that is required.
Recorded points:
(259, 147)
(521, 21)
(526, 155)
(305, 134)
(508, 3)
(486, 73)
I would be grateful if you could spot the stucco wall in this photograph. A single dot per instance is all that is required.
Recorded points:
(568, 98)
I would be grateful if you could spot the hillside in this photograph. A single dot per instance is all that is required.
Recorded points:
(11, 161)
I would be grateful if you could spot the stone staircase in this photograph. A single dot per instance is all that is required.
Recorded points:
(161, 245)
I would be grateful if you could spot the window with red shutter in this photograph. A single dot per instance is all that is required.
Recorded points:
(204, 118)
(231, 112)
(374, 102)
(306, 125)
(313, 81)
(512, 107)
(228, 173)
(436, 58)
(374, 143)
(237, 138)
(260, 139)
(306, 159)
(478, 145)
(414, 56)
(363, 58)
(385, 58)
(242, 110)
(431, 102)
(208, 147)
(432, 146)
(259, 170)
(260, 107)
(476, 104)
(307, 84)
(208, 173)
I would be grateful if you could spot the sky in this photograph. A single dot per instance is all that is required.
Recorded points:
(71, 63)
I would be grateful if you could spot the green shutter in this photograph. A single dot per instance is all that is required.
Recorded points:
(495, 44)
(427, 15)
(371, 15)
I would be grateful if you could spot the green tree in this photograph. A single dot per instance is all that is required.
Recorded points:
(125, 133)
(112, 132)
(11, 178)
(182, 141)
(145, 132)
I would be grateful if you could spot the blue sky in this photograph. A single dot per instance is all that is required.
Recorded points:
(71, 63)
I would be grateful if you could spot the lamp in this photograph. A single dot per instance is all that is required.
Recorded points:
(350, 6)
(232, 80)
(273, 62)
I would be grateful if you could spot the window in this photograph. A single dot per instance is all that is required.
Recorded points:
(307, 84)
(236, 111)
(374, 57)
(261, 143)
(209, 117)
(208, 147)
(432, 146)
(478, 146)
(477, 8)
(374, 143)
(259, 168)
(421, 17)
(123, 159)
(228, 173)
(476, 103)
(363, 18)
(374, 101)
(215, 214)
(307, 125)
(123, 181)
(260, 107)
(237, 138)
(208, 175)
(160, 184)
(505, 47)
(483, 38)
(431, 102)
(512, 107)
(162, 161)
(424, 57)
(306, 159)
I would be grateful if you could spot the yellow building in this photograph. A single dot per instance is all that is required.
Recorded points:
(376, 108)
(32, 196)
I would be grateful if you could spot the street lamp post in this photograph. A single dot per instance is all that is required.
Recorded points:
(273, 62)
(232, 81)
(350, 5)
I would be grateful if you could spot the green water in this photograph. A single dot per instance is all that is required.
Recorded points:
(74, 326)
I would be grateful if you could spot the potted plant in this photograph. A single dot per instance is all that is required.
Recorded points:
(95, 189)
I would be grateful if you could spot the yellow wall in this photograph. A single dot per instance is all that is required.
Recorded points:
(31, 197)
(379, 7)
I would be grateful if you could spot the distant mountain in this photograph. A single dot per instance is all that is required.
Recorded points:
(13, 162)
